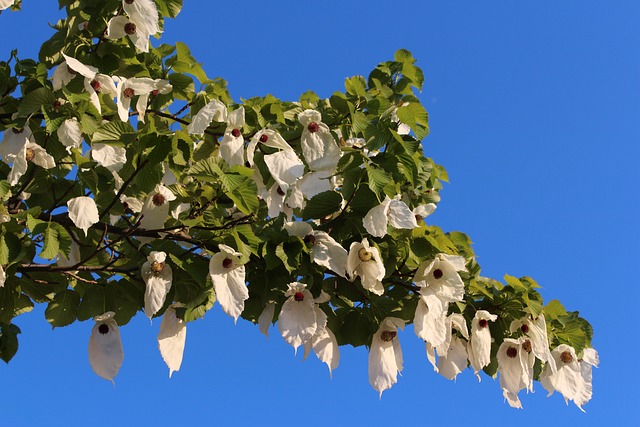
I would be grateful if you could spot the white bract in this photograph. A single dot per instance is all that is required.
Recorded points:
(105, 348)
(5, 4)
(323, 342)
(13, 142)
(94, 82)
(298, 320)
(573, 376)
(121, 26)
(145, 13)
(109, 156)
(385, 355)
(156, 208)
(83, 212)
(536, 332)
(30, 152)
(70, 134)
(3, 277)
(232, 144)
(127, 89)
(392, 211)
(213, 110)
(479, 347)
(157, 276)
(422, 211)
(319, 147)
(515, 363)
(266, 317)
(228, 276)
(452, 354)
(284, 165)
(324, 250)
(171, 339)
(365, 261)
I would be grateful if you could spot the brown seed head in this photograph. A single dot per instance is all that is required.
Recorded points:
(158, 199)
(264, 138)
(524, 329)
(298, 296)
(103, 329)
(129, 93)
(236, 133)
(227, 263)
(313, 127)
(512, 352)
(130, 28)
(129, 1)
(566, 357)
(30, 154)
(437, 273)
(526, 346)
(483, 323)
(56, 104)
(157, 267)
(387, 336)
(364, 255)
(96, 85)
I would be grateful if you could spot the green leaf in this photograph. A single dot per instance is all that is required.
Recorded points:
(242, 190)
(51, 243)
(322, 205)
(63, 309)
(8, 341)
(34, 100)
(416, 117)
(378, 179)
(356, 85)
(170, 8)
(554, 310)
(115, 130)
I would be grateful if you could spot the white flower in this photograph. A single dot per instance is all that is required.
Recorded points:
(228, 277)
(573, 376)
(232, 143)
(429, 321)
(121, 26)
(319, 148)
(5, 4)
(266, 317)
(422, 211)
(536, 331)
(109, 156)
(83, 212)
(157, 276)
(3, 277)
(171, 339)
(479, 347)
(62, 75)
(385, 355)
(284, 165)
(94, 82)
(213, 110)
(105, 347)
(70, 134)
(145, 13)
(127, 89)
(323, 342)
(440, 277)
(365, 261)
(298, 321)
(131, 203)
(156, 208)
(324, 251)
(515, 363)
(452, 354)
(30, 152)
(13, 142)
(392, 211)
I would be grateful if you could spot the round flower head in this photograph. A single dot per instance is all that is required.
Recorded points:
(228, 277)
(365, 261)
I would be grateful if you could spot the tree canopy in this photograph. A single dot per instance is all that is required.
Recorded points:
(132, 181)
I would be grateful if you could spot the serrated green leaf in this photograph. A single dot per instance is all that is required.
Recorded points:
(51, 243)
(8, 341)
(322, 205)
(114, 131)
(63, 309)
(34, 100)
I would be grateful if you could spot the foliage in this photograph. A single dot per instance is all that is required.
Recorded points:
(378, 123)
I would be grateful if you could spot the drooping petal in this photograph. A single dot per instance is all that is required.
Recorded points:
(297, 321)
(3, 277)
(105, 348)
(430, 320)
(115, 27)
(109, 156)
(70, 134)
(87, 71)
(385, 355)
(400, 216)
(325, 346)
(480, 343)
(228, 278)
(266, 317)
(157, 276)
(83, 212)
(285, 167)
(20, 165)
(329, 253)
(455, 361)
(40, 156)
(214, 110)
(145, 13)
(171, 339)
(376, 220)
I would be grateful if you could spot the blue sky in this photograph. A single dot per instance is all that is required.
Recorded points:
(534, 111)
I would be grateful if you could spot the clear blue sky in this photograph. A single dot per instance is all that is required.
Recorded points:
(534, 110)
